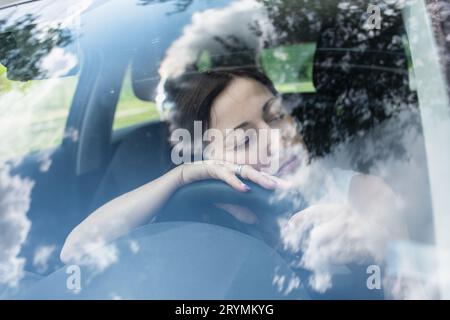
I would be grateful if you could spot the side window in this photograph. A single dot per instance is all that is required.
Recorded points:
(290, 67)
(33, 113)
(130, 109)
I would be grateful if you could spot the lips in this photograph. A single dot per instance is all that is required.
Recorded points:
(288, 166)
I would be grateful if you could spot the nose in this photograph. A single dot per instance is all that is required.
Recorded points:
(270, 143)
(265, 138)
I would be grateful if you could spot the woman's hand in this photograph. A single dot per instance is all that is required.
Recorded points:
(228, 172)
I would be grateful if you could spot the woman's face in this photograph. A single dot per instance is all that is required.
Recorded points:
(250, 126)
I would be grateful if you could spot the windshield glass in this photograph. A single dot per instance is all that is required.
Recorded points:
(102, 100)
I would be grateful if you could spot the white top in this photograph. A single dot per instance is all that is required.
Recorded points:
(342, 179)
(332, 187)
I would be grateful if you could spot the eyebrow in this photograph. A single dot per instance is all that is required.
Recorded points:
(265, 108)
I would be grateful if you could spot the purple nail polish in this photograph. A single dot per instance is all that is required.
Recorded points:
(246, 187)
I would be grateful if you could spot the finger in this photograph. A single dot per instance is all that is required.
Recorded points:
(281, 183)
(231, 179)
(252, 174)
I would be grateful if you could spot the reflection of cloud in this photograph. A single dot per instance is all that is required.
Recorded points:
(202, 34)
(71, 133)
(207, 26)
(417, 271)
(278, 280)
(404, 288)
(294, 283)
(285, 285)
(95, 255)
(14, 225)
(41, 257)
(331, 233)
(58, 62)
(320, 281)
(134, 246)
(45, 161)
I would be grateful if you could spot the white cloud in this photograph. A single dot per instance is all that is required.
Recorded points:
(95, 255)
(202, 32)
(58, 62)
(320, 281)
(285, 285)
(404, 288)
(330, 233)
(41, 257)
(278, 280)
(205, 27)
(294, 283)
(134, 246)
(14, 225)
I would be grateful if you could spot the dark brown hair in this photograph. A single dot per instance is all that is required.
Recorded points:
(193, 94)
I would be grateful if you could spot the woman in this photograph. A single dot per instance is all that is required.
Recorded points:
(221, 100)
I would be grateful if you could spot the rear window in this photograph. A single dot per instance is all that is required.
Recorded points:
(290, 67)
(131, 110)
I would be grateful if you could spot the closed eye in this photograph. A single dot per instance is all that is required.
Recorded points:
(243, 143)
(276, 118)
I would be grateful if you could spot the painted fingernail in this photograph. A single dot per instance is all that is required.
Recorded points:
(246, 187)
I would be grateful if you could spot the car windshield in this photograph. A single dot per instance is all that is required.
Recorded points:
(87, 111)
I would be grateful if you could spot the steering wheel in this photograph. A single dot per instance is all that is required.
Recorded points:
(197, 202)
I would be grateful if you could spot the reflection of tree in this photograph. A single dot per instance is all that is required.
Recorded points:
(180, 5)
(360, 75)
(236, 53)
(293, 18)
(24, 45)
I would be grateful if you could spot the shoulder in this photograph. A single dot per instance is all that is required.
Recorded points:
(343, 179)
(367, 185)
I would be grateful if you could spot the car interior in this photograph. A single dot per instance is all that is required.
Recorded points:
(353, 79)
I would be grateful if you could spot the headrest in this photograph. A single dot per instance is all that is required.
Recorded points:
(349, 58)
(144, 74)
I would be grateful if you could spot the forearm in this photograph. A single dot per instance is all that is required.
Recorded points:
(122, 214)
(137, 207)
